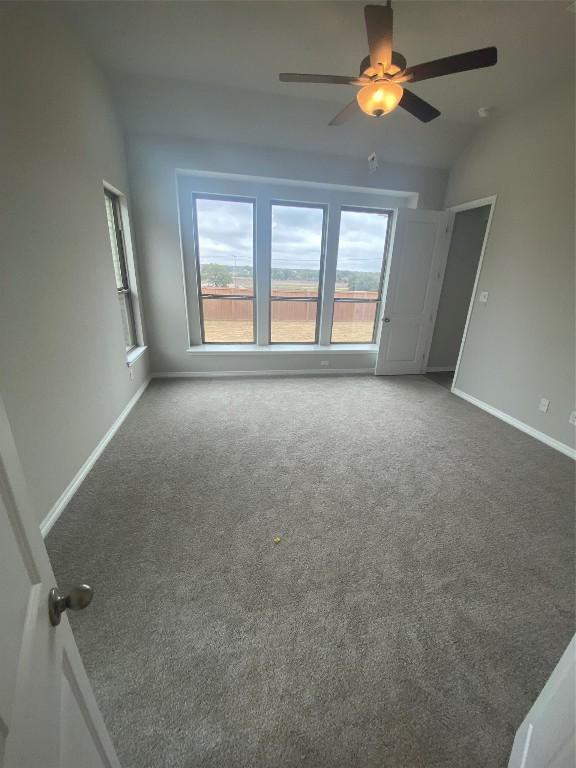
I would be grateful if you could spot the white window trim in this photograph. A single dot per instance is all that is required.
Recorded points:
(270, 349)
(133, 354)
(265, 192)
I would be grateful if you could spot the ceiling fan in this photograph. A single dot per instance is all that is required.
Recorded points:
(384, 72)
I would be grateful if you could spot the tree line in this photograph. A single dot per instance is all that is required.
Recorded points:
(221, 276)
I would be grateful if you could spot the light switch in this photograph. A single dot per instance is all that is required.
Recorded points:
(572, 418)
(483, 297)
(543, 405)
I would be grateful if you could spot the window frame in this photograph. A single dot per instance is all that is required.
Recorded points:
(125, 289)
(320, 294)
(385, 253)
(196, 244)
(261, 192)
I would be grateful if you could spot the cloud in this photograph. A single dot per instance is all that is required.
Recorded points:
(225, 231)
(225, 234)
(362, 241)
(297, 237)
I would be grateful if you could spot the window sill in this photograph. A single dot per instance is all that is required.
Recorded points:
(134, 354)
(254, 349)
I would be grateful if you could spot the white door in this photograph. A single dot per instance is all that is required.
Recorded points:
(412, 290)
(546, 737)
(48, 715)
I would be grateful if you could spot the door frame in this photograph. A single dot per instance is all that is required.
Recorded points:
(452, 211)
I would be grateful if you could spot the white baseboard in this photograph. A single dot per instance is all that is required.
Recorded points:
(264, 373)
(71, 489)
(441, 369)
(541, 436)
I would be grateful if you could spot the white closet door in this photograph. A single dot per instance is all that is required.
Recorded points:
(412, 290)
(48, 715)
(546, 738)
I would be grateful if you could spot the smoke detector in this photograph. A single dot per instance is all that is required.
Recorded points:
(484, 112)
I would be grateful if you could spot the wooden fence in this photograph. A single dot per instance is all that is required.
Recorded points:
(287, 311)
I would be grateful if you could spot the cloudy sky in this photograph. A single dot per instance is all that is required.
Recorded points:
(225, 232)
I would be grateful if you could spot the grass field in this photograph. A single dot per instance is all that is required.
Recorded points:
(281, 286)
(235, 332)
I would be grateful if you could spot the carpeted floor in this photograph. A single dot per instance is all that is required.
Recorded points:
(421, 593)
(444, 378)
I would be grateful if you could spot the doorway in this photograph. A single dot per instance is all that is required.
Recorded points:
(469, 233)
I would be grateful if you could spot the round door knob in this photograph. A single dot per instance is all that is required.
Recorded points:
(78, 598)
(386, 319)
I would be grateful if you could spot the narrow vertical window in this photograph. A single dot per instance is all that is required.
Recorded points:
(296, 272)
(358, 292)
(118, 245)
(224, 233)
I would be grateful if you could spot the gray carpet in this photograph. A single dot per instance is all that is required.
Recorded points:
(444, 378)
(421, 593)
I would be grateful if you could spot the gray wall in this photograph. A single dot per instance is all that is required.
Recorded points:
(153, 162)
(462, 263)
(63, 373)
(520, 345)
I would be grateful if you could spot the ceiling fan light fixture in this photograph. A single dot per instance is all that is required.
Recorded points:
(382, 71)
(379, 98)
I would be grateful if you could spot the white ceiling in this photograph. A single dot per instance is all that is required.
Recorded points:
(210, 69)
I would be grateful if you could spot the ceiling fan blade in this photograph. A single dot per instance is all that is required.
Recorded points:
(461, 62)
(345, 114)
(379, 24)
(294, 77)
(418, 107)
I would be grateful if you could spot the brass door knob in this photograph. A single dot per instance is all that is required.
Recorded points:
(79, 597)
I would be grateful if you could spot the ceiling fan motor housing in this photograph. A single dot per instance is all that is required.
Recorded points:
(398, 65)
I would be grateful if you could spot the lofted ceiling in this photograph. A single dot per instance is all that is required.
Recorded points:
(210, 69)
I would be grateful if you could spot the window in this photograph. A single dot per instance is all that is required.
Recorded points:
(296, 272)
(270, 264)
(118, 245)
(359, 271)
(224, 238)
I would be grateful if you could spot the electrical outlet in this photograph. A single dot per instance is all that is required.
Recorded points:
(483, 298)
(572, 418)
(325, 363)
(543, 404)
